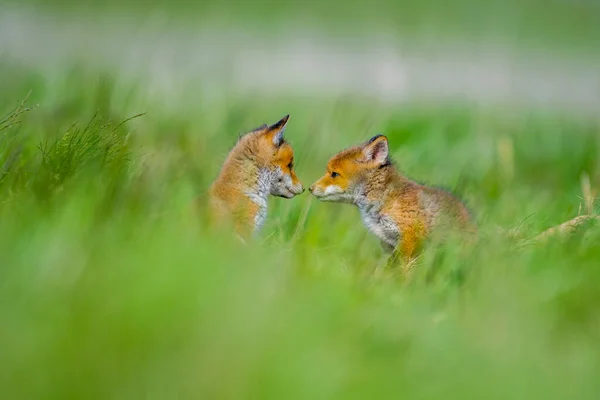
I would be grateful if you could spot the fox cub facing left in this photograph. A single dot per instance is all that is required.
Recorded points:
(400, 212)
(259, 165)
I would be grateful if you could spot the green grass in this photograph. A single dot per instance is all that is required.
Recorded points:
(548, 25)
(109, 290)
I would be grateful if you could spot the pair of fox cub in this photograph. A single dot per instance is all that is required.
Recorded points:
(400, 212)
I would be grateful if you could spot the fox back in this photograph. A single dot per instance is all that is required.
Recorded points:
(259, 165)
(400, 212)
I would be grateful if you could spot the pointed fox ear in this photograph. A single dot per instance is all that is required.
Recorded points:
(275, 131)
(376, 150)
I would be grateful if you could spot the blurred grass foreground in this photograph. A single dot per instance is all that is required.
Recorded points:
(110, 290)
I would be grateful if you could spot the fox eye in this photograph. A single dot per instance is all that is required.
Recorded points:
(334, 174)
(291, 165)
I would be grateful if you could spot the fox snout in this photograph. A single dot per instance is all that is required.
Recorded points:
(316, 189)
(291, 191)
(297, 189)
(296, 186)
(325, 190)
(285, 185)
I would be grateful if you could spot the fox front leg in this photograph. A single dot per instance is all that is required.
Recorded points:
(409, 247)
(403, 254)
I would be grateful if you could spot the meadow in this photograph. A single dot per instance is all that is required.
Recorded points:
(110, 290)
(561, 25)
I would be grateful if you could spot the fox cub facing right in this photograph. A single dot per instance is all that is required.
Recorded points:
(260, 164)
(400, 212)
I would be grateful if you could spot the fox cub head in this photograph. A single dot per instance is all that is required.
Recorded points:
(349, 171)
(276, 160)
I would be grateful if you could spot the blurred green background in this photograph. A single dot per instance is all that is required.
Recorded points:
(531, 22)
(109, 289)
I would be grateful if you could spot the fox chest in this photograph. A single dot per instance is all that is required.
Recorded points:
(381, 226)
(259, 218)
(258, 212)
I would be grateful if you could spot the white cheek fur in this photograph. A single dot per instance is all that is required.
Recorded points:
(332, 189)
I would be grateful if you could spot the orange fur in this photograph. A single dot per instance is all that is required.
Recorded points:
(259, 165)
(402, 213)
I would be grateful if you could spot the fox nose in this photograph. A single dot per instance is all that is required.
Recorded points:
(311, 188)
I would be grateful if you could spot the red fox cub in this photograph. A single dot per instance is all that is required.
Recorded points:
(400, 212)
(259, 165)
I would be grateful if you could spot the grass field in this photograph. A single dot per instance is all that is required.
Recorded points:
(108, 289)
(554, 25)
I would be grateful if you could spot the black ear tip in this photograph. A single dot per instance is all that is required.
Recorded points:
(281, 122)
(376, 137)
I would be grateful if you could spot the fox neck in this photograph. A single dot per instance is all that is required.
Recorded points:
(371, 193)
(248, 182)
(259, 195)
(372, 196)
